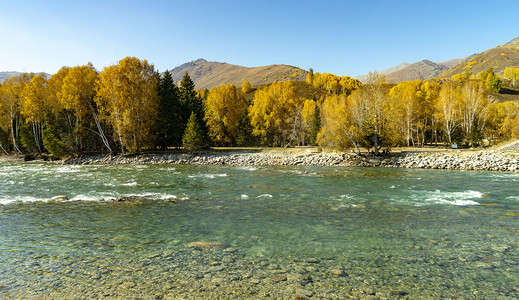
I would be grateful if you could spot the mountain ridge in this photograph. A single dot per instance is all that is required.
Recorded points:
(498, 58)
(207, 74)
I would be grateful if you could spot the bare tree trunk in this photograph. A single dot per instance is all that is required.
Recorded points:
(100, 130)
(3, 149)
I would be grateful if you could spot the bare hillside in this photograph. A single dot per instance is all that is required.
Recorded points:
(498, 58)
(424, 69)
(206, 74)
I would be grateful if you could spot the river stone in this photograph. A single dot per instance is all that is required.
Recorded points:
(206, 245)
(397, 293)
(339, 272)
(59, 198)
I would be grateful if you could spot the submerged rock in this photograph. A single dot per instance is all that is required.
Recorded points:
(59, 198)
(206, 245)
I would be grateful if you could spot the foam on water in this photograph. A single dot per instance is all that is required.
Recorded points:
(20, 199)
(244, 197)
(247, 168)
(453, 198)
(265, 196)
(210, 176)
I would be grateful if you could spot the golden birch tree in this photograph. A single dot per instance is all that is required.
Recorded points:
(127, 99)
(224, 109)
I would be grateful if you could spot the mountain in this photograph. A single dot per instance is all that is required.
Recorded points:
(514, 42)
(206, 74)
(385, 71)
(424, 69)
(454, 62)
(7, 75)
(498, 58)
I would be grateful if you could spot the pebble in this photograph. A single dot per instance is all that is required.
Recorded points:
(479, 160)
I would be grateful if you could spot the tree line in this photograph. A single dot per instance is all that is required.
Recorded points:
(130, 107)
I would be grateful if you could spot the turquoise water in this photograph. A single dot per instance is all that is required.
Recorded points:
(423, 233)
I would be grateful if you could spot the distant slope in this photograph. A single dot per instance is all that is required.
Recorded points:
(498, 58)
(9, 74)
(424, 69)
(206, 74)
(385, 71)
(454, 62)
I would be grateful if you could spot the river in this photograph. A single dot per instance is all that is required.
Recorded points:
(269, 232)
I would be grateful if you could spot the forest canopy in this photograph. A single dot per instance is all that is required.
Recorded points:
(131, 107)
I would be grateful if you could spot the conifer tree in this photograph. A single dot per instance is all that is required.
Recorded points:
(193, 140)
(169, 124)
(191, 102)
(244, 131)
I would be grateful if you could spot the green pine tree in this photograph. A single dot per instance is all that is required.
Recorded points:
(193, 140)
(170, 114)
(191, 102)
(244, 130)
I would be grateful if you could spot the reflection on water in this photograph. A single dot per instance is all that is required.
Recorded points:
(280, 231)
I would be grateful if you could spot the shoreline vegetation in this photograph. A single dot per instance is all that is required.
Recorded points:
(505, 158)
(131, 108)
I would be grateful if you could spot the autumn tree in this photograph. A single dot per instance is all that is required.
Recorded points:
(274, 112)
(127, 98)
(34, 107)
(11, 106)
(4, 119)
(405, 95)
(512, 73)
(308, 115)
(474, 110)
(77, 98)
(461, 77)
(310, 77)
(337, 131)
(316, 126)
(493, 82)
(335, 84)
(447, 109)
(224, 109)
(246, 87)
(170, 113)
(371, 112)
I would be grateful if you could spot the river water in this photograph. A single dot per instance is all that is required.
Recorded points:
(272, 232)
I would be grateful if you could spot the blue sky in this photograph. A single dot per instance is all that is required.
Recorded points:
(341, 37)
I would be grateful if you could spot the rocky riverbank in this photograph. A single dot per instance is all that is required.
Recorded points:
(456, 160)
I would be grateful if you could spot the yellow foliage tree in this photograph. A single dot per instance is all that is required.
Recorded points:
(275, 113)
(246, 87)
(405, 95)
(512, 73)
(127, 98)
(34, 106)
(337, 131)
(224, 109)
(307, 115)
(475, 108)
(77, 95)
(334, 84)
(371, 112)
(12, 98)
(448, 109)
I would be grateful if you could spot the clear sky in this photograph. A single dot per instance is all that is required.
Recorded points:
(341, 37)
